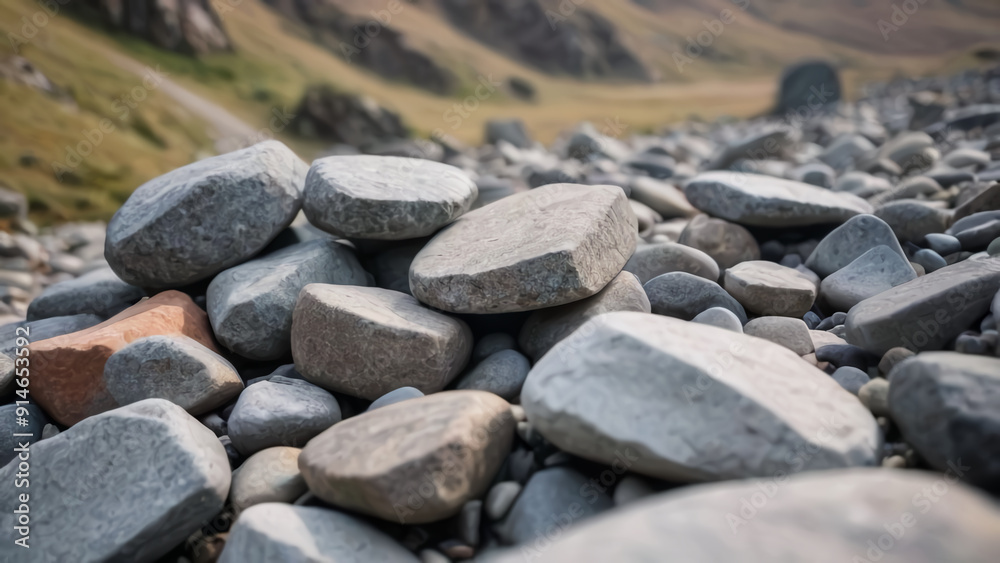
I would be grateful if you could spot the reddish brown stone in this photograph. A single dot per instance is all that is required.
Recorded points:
(67, 372)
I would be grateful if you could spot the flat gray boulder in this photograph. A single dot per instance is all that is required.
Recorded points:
(848, 242)
(541, 248)
(385, 197)
(250, 306)
(99, 292)
(125, 485)
(715, 404)
(367, 341)
(280, 412)
(764, 201)
(271, 532)
(684, 296)
(877, 270)
(651, 260)
(928, 312)
(190, 224)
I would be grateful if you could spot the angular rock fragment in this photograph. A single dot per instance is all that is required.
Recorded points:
(766, 288)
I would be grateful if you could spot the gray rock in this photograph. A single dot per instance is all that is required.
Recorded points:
(688, 380)
(858, 510)
(395, 396)
(751, 199)
(892, 357)
(385, 197)
(727, 243)
(814, 173)
(271, 532)
(662, 197)
(962, 157)
(721, 318)
(502, 373)
(491, 344)
(914, 187)
(10, 417)
(280, 412)
(557, 498)
(99, 292)
(850, 378)
(645, 217)
(930, 260)
(501, 498)
(849, 241)
(545, 247)
(771, 143)
(192, 223)
(683, 295)
(651, 260)
(43, 329)
(911, 220)
(125, 485)
(943, 244)
(790, 333)
(928, 312)
(176, 368)
(631, 489)
(509, 130)
(250, 306)
(845, 150)
(875, 396)
(366, 341)
(391, 268)
(766, 288)
(980, 236)
(7, 372)
(877, 270)
(861, 184)
(270, 475)
(543, 329)
(947, 406)
(906, 147)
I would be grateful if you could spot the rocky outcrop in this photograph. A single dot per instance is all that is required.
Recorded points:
(337, 117)
(185, 26)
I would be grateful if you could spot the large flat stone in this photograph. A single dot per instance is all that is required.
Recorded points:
(763, 201)
(545, 247)
(766, 288)
(190, 224)
(714, 404)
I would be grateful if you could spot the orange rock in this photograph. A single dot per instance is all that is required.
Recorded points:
(67, 372)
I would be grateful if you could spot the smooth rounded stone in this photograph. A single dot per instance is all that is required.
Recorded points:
(250, 306)
(911, 220)
(645, 216)
(845, 149)
(721, 318)
(545, 247)
(99, 292)
(833, 320)
(771, 142)
(651, 260)
(385, 197)
(980, 236)
(501, 498)
(946, 406)
(280, 412)
(727, 243)
(930, 260)
(502, 373)
(892, 357)
(994, 248)
(877, 270)
(790, 333)
(395, 396)
(877, 514)
(986, 200)
(125, 485)
(814, 173)
(683, 295)
(655, 165)
(273, 531)
(391, 267)
(849, 241)
(768, 289)
(67, 371)
(962, 157)
(861, 184)
(381, 462)
(875, 396)
(543, 329)
(42, 329)
(33, 431)
(906, 146)
(761, 201)
(556, 498)
(190, 224)
(850, 378)
(688, 380)
(491, 344)
(914, 187)
(270, 475)
(630, 489)
(812, 320)
(176, 368)
(928, 312)
(943, 244)
(973, 221)
(662, 197)
(509, 130)
(821, 338)
(845, 355)
(367, 341)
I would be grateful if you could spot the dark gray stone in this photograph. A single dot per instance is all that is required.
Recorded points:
(684, 295)
(931, 261)
(850, 378)
(651, 260)
(10, 415)
(727, 243)
(877, 270)
(943, 244)
(99, 292)
(912, 220)
(491, 344)
(849, 241)
(510, 130)
(280, 412)
(503, 373)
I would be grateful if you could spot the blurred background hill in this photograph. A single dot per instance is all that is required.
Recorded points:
(145, 86)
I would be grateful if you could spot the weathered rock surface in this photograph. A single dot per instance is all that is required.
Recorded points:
(688, 380)
(502, 373)
(10, 424)
(849, 241)
(176, 368)
(126, 485)
(545, 328)
(68, 371)
(200, 219)
(367, 341)
(545, 247)
(911, 219)
(766, 288)
(651, 260)
(790, 333)
(250, 306)
(413, 462)
(727, 243)
(762, 201)
(947, 406)
(273, 531)
(280, 412)
(662, 197)
(385, 197)
(928, 312)
(99, 292)
(270, 475)
(877, 270)
(683, 295)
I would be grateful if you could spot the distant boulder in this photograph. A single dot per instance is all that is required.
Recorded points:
(337, 117)
(807, 87)
(184, 26)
